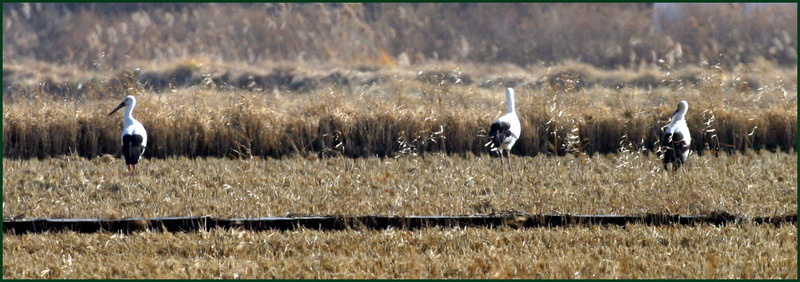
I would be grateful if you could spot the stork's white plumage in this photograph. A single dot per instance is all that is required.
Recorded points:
(134, 137)
(676, 140)
(505, 131)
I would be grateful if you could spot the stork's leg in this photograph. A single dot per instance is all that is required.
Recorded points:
(510, 170)
(502, 163)
(680, 166)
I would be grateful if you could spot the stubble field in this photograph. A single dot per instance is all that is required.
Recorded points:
(635, 251)
(750, 184)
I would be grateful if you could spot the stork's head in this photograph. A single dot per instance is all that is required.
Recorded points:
(680, 112)
(682, 107)
(128, 101)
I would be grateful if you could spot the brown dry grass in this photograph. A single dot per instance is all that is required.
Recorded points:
(635, 251)
(629, 183)
(416, 110)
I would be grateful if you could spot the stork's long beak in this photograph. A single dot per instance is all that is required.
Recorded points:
(118, 107)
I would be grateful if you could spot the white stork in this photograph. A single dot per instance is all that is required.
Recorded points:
(676, 140)
(134, 137)
(505, 131)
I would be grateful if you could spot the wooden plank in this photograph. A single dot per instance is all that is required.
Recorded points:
(190, 224)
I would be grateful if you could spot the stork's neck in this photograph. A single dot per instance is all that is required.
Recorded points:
(678, 116)
(127, 117)
(510, 101)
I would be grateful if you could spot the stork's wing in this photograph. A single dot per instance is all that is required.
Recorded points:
(499, 132)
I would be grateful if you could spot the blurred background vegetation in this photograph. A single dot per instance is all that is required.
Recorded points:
(102, 36)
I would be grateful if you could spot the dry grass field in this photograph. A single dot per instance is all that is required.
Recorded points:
(751, 184)
(382, 109)
(633, 251)
(411, 144)
(276, 152)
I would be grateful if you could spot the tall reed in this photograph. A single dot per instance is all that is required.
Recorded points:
(396, 118)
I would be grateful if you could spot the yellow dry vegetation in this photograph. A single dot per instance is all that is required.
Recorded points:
(751, 184)
(633, 251)
(427, 111)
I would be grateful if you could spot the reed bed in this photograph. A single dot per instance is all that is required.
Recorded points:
(630, 252)
(413, 110)
(751, 184)
(104, 36)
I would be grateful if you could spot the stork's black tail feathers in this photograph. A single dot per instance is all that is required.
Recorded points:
(132, 148)
(674, 149)
(498, 133)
